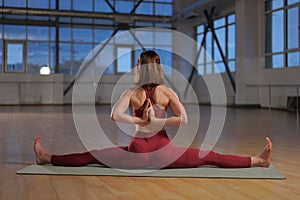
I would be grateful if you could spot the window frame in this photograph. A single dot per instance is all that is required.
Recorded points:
(24, 55)
(208, 60)
(286, 50)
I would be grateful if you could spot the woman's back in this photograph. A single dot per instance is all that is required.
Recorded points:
(159, 97)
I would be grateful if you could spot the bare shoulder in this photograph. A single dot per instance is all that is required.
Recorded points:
(127, 94)
(167, 91)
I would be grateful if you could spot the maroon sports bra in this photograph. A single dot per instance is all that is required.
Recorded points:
(159, 112)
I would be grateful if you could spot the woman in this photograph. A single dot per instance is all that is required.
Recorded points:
(150, 146)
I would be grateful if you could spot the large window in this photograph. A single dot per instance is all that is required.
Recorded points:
(282, 33)
(62, 41)
(211, 61)
(146, 7)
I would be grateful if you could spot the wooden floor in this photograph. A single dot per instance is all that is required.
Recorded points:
(243, 134)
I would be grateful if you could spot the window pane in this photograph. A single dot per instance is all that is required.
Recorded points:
(222, 40)
(124, 61)
(64, 58)
(200, 38)
(231, 42)
(65, 34)
(44, 4)
(1, 34)
(231, 18)
(274, 4)
(145, 8)
(219, 22)
(275, 32)
(294, 59)
(102, 34)
(141, 35)
(292, 28)
(166, 59)
(231, 65)
(163, 9)
(52, 4)
(82, 35)
(208, 46)
(38, 56)
(102, 6)
(15, 3)
(80, 52)
(65, 4)
(38, 33)
(52, 33)
(163, 38)
(14, 57)
(86, 5)
(52, 63)
(275, 61)
(219, 67)
(200, 29)
(293, 1)
(14, 32)
(124, 6)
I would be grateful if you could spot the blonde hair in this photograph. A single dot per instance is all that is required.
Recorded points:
(149, 70)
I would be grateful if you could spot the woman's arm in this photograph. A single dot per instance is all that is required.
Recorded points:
(119, 111)
(179, 114)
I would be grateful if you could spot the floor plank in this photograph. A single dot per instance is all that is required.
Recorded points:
(243, 133)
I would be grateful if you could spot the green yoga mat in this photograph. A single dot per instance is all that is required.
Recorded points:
(201, 172)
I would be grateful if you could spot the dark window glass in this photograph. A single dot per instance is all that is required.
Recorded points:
(163, 9)
(64, 58)
(65, 34)
(38, 33)
(15, 3)
(65, 4)
(231, 42)
(294, 59)
(38, 56)
(42, 4)
(80, 52)
(275, 32)
(82, 35)
(124, 6)
(102, 6)
(83, 5)
(15, 32)
(275, 61)
(292, 28)
(221, 35)
(102, 34)
(274, 4)
(292, 1)
(145, 8)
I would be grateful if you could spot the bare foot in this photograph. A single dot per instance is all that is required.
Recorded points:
(42, 157)
(264, 158)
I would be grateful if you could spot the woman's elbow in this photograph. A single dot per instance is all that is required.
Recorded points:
(184, 121)
(113, 117)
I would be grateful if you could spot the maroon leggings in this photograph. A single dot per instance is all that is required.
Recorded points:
(155, 151)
